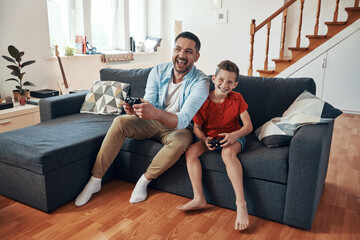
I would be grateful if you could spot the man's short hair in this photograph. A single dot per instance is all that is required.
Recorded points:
(228, 66)
(190, 36)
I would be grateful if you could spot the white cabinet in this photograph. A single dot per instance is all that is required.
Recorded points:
(19, 117)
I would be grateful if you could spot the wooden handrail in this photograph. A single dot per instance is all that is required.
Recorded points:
(275, 14)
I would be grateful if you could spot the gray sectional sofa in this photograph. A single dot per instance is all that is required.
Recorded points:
(48, 164)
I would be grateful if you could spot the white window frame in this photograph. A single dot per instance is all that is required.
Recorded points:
(121, 36)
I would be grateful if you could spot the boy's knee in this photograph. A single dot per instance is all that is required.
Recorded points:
(228, 155)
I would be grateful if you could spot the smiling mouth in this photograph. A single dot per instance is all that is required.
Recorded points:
(181, 63)
(223, 89)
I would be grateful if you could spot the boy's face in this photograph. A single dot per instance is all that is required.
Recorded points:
(224, 82)
(184, 55)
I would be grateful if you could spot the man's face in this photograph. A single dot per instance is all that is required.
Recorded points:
(184, 55)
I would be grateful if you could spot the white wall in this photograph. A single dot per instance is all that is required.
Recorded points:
(223, 41)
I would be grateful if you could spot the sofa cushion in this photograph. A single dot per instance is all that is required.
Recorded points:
(306, 109)
(257, 160)
(105, 97)
(47, 146)
(136, 77)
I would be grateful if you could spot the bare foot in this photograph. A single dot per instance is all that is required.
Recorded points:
(193, 205)
(242, 217)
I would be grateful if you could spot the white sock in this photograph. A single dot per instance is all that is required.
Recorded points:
(93, 186)
(139, 193)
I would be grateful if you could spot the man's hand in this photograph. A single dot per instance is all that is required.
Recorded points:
(145, 110)
(128, 108)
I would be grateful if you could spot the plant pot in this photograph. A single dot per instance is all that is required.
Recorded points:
(17, 95)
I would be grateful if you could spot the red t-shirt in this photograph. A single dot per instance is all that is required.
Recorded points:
(224, 117)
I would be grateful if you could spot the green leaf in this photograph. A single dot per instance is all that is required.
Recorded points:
(18, 59)
(16, 72)
(14, 52)
(27, 63)
(13, 67)
(27, 83)
(21, 76)
(12, 79)
(9, 59)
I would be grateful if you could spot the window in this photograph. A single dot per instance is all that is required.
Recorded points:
(58, 16)
(102, 24)
(107, 24)
(137, 20)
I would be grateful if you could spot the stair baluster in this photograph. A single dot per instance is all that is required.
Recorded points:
(252, 35)
(316, 28)
(267, 46)
(336, 13)
(282, 47)
(300, 23)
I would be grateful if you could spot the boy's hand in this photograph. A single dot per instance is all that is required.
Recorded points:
(228, 140)
(207, 143)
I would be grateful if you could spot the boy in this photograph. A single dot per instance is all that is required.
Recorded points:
(219, 118)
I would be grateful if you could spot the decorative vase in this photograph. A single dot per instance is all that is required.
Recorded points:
(22, 101)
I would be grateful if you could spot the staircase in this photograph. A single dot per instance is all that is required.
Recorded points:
(298, 52)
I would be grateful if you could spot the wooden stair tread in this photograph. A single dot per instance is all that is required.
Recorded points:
(283, 60)
(265, 71)
(316, 36)
(335, 23)
(352, 9)
(298, 49)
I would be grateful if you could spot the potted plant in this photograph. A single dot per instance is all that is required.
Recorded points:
(21, 91)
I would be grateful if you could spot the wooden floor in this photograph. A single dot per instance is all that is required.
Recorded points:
(109, 215)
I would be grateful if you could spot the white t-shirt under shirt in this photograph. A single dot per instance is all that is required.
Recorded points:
(171, 103)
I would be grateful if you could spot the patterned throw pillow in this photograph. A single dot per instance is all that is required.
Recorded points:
(105, 97)
(305, 110)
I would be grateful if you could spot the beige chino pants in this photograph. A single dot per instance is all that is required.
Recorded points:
(175, 143)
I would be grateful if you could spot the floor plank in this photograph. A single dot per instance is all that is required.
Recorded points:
(109, 215)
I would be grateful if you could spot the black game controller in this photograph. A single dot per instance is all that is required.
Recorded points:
(132, 100)
(215, 143)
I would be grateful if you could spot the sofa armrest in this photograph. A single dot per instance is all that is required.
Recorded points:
(59, 106)
(308, 163)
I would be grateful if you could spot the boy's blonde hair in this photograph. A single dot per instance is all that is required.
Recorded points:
(228, 66)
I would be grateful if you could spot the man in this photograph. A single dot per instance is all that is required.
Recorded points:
(174, 92)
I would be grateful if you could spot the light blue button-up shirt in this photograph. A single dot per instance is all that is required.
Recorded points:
(194, 91)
